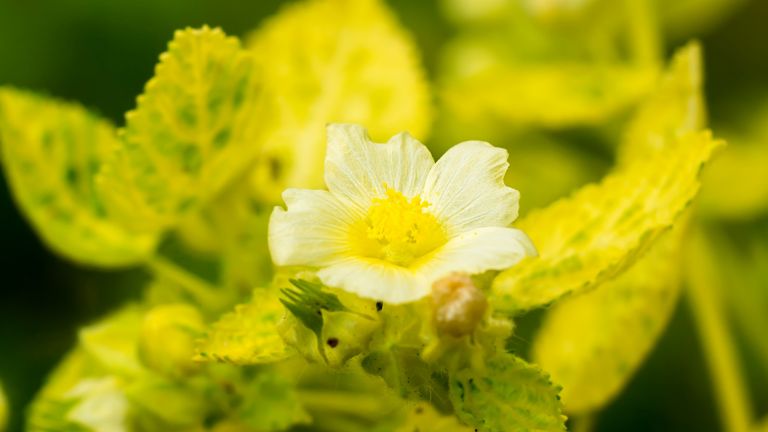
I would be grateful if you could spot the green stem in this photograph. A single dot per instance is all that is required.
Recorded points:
(708, 310)
(203, 292)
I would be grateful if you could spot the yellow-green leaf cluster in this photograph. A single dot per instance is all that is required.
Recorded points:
(603, 228)
(358, 66)
(525, 63)
(592, 343)
(193, 130)
(248, 335)
(675, 108)
(52, 151)
(563, 95)
(506, 394)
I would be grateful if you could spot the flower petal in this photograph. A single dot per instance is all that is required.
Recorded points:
(466, 188)
(314, 230)
(375, 279)
(490, 248)
(360, 170)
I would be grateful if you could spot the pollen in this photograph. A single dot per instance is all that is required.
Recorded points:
(398, 230)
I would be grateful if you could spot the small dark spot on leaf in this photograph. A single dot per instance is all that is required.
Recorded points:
(221, 138)
(419, 410)
(72, 176)
(191, 159)
(332, 342)
(187, 115)
(379, 305)
(186, 204)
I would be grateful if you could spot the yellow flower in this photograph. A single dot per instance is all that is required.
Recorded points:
(393, 221)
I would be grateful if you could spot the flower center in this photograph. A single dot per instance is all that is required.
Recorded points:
(398, 230)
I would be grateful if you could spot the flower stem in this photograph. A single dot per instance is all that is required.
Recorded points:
(704, 285)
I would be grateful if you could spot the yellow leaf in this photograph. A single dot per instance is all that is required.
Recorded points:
(560, 95)
(507, 394)
(547, 63)
(247, 335)
(594, 342)
(603, 228)
(333, 61)
(193, 130)
(675, 108)
(51, 152)
(112, 343)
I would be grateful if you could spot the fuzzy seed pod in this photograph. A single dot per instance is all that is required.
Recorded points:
(458, 304)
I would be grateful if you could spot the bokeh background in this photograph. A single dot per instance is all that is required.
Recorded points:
(101, 54)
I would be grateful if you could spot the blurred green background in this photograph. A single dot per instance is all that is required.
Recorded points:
(101, 54)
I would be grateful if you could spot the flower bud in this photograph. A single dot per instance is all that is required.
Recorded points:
(458, 304)
(168, 336)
